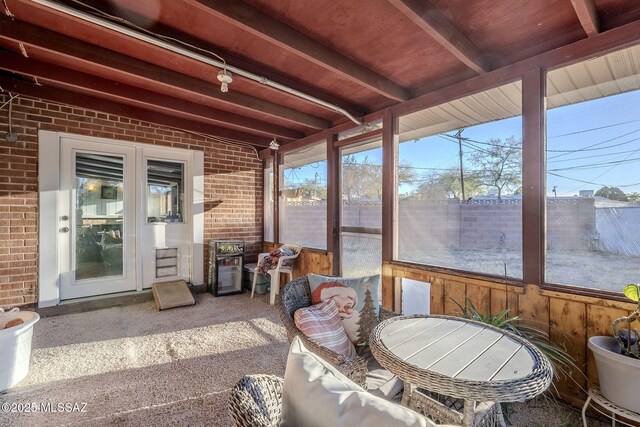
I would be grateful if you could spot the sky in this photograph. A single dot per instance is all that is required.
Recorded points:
(589, 145)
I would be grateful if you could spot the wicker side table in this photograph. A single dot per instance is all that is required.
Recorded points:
(461, 359)
(596, 396)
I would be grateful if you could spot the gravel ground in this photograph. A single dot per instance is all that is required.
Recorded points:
(593, 270)
(544, 412)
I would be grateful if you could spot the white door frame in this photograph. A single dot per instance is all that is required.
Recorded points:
(50, 204)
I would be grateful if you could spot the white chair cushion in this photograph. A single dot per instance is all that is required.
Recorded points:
(315, 394)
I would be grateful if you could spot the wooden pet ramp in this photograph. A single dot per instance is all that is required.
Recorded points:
(172, 294)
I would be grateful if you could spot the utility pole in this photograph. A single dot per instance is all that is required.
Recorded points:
(458, 135)
(315, 184)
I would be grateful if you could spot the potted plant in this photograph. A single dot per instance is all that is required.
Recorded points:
(618, 358)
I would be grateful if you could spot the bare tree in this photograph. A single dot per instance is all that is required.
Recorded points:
(313, 187)
(362, 179)
(446, 184)
(499, 165)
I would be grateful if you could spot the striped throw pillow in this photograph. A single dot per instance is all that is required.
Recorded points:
(321, 322)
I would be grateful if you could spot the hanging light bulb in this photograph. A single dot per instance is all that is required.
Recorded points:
(224, 77)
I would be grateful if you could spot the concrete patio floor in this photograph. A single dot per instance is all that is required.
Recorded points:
(131, 365)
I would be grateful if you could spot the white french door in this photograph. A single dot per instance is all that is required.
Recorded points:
(97, 218)
(116, 216)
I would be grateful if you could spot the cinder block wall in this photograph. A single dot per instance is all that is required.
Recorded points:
(233, 184)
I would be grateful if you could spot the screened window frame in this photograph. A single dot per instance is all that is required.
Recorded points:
(533, 76)
(564, 287)
(391, 144)
(372, 138)
(279, 184)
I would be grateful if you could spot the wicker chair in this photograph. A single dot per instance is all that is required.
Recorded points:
(297, 294)
(256, 401)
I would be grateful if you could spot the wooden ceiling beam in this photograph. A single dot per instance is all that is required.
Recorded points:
(247, 64)
(602, 44)
(298, 43)
(606, 42)
(434, 23)
(103, 88)
(165, 80)
(29, 89)
(588, 16)
(231, 59)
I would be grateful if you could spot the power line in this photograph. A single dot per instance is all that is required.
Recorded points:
(593, 183)
(565, 152)
(592, 129)
(491, 144)
(590, 147)
(596, 165)
(593, 156)
(454, 139)
(612, 167)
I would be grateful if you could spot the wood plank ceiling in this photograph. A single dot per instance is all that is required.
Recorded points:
(360, 55)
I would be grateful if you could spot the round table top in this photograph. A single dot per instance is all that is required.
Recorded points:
(461, 358)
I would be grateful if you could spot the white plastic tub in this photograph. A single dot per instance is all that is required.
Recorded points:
(15, 346)
(619, 375)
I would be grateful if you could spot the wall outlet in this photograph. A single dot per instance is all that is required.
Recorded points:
(11, 137)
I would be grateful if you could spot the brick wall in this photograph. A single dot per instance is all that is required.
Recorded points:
(233, 184)
(491, 224)
(428, 224)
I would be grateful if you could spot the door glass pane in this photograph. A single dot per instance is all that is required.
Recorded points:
(165, 191)
(361, 225)
(99, 207)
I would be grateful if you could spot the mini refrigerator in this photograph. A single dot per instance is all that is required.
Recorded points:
(226, 261)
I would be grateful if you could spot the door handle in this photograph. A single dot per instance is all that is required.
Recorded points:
(64, 218)
(64, 230)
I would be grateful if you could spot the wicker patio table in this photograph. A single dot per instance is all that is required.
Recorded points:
(463, 359)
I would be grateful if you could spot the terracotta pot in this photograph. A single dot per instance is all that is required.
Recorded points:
(619, 375)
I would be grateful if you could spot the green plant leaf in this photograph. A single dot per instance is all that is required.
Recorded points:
(632, 291)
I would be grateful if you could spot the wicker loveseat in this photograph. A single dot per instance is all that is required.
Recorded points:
(256, 401)
(363, 370)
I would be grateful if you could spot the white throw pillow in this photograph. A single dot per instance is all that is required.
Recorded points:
(317, 395)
